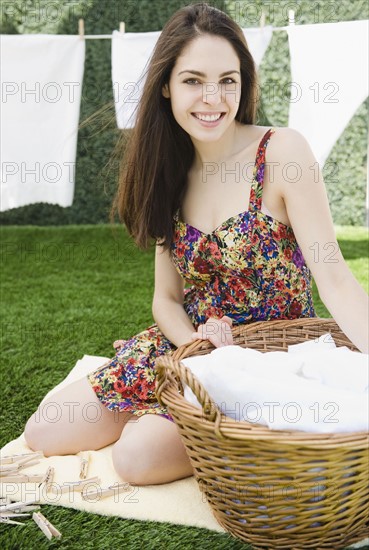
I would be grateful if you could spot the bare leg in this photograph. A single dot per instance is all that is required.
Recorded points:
(150, 451)
(73, 420)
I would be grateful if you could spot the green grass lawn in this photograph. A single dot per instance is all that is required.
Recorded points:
(73, 290)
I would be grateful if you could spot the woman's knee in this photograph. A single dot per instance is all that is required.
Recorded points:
(131, 462)
(46, 429)
(36, 432)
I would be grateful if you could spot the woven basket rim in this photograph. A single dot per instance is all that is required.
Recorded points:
(170, 392)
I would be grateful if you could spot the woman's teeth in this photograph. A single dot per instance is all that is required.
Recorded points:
(208, 118)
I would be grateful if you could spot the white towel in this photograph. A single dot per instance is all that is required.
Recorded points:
(329, 72)
(41, 93)
(307, 388)
(130, 55)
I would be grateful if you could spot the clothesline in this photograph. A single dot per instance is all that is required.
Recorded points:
(109, 36)
(22, 55)
(81, 29)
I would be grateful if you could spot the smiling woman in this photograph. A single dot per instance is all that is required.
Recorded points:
(220, 96)
(184, 185)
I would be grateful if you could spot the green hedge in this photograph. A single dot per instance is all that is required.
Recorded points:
(95, 183)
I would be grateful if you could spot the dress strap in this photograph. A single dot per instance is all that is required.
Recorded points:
(258, 174)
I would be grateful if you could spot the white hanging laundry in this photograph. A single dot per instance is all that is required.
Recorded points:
(258, 40)
(41, 83)
(130, 55)
(329, 71)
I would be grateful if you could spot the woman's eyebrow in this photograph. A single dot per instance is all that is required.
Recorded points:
(198, 73)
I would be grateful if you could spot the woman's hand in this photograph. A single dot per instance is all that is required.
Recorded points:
(217, 331)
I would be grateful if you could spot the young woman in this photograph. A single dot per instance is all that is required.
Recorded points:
(246, 235)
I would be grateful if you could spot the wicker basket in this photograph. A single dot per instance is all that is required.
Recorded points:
(273, 489)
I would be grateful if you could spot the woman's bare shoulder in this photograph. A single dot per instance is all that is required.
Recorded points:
(288, 140)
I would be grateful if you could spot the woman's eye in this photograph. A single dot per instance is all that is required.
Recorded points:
(193, 81)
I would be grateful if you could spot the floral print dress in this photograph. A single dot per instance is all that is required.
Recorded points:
(249, 268)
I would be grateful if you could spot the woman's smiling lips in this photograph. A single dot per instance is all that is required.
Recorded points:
(208, 119)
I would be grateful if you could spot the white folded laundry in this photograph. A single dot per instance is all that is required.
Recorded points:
(339, 368)
(324, 342)
(256, 362)
(272, 388)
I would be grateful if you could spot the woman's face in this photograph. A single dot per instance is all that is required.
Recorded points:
(214, 93)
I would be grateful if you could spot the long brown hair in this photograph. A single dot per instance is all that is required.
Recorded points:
(159, 153)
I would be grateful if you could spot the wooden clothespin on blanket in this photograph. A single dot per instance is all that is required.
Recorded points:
(73, 486)
(13, 460)
(11, 466)
(48, 478)
(107, 492)
(13, 477)
(85, 460)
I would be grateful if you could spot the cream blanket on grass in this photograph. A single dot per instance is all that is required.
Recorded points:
(180, 502)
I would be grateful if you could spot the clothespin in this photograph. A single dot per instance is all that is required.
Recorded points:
(102, 493)
(85, 459)
(6, 460)
(12, 515)
(15, 458)
(48, 477)
(5, 469)
(262, 20)
(20, 506)
(291, 17)
(75, 485)
(122, 27)
(27, 461)
(21, 478)
(29, 508)
(7, 520)
(81, 28)
(46, 527)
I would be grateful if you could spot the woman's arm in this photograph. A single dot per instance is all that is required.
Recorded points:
(167, 306)
(304, 193)
(169, 313)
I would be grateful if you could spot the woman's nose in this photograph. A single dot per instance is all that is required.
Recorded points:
(212, 93)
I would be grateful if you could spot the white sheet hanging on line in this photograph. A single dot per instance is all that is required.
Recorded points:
(130, 55)
(329, 71)
(41, 95)
(258, 40)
